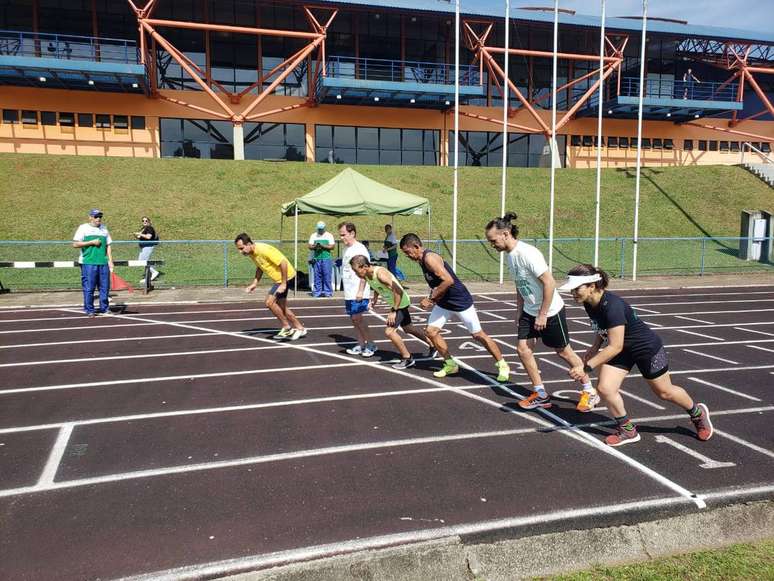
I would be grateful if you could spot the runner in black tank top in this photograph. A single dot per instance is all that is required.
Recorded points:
(448, 298)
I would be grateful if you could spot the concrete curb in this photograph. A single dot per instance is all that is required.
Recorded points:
(454, 559)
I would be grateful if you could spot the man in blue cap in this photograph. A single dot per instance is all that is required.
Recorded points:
(321, 243)
(96, 261)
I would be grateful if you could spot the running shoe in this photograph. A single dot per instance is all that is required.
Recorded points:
(283, 334)
(703, 424)
(297, 334)
(534, 401)
(155, 274)
(450, 367)
(368, 351)
(503, 371)
(356, 350)
(404, 363)
(432, 353)
(588, 401)
(622, 437)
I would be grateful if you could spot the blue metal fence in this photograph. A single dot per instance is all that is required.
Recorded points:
(674, 89)
(68, 47)
(399, 71)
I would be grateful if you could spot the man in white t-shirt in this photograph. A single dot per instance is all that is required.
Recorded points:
(96, 261)
(321, 243)
(540, 312)
(356, 291)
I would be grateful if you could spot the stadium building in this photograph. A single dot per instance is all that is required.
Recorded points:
(372, 83)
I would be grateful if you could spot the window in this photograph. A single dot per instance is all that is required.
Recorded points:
(713, 145)
(724, 147)
(702, 145)
(688, 144)
(756, 144)
(765, 147)
(735, 146)
(10, 116)
(378, 145)
(120, 121)
(30, 117)
(612, 142)
(623, 142)
(67, 119)
(575, 140)
(85, 120)
(657, 143)
(103, 121)
(646, 143)
(588, 141)
(669, 144)
(47, 118)
(138, 122)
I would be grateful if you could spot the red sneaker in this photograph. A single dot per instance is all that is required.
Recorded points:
(703, 424)
(622, 437)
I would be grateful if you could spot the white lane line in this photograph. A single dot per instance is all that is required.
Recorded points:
(754, 331)
(760, 348)
(554, 363)
(488, 298)
(172, 378)
(586, 438)
(711, 356)
(652, 312)
(700, 335)
(641, 400)
(496, 316)
(579, 342)
(55, 457)
(654, 324)
(742, 442)
(142, 338)
(726, 389)
(693, 319)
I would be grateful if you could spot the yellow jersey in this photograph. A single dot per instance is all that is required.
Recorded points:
(268, 259)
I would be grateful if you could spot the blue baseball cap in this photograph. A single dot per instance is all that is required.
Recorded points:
(95, 213)
(321, 225)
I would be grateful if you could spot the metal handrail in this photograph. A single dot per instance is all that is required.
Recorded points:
(674, 89)
(68, 46)
(400, 71)
(756, 150)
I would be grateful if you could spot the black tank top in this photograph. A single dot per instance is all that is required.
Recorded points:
(457, 297)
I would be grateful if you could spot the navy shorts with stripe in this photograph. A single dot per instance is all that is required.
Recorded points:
(555, 334)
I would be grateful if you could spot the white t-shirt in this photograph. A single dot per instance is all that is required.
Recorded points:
(88, 232)
(348, 277)
(527, 265)
(324, 238)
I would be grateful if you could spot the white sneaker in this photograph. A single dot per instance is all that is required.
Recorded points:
(155, 274)
(368, 351)
(283, 334)
(356, 350)
(297, 334)
(142, 281)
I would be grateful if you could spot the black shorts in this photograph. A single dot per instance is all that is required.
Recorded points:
(275, 286)
(555, 334)
(402, 318)
(651, 367)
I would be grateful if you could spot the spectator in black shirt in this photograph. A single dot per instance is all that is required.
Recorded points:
(630, 342)
(148, 242)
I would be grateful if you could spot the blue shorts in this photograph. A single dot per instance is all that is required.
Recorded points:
(356, 307)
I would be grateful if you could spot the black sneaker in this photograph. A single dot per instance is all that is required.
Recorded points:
(404, 363)
(432, 353)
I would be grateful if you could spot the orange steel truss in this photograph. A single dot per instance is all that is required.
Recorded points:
(476, 42)
(222, 98)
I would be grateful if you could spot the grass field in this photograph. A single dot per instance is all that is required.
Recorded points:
(46, 197)
(743, 562)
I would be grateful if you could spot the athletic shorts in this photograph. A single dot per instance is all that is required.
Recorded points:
(275, 286)
(651, 367)
(555, 334)
(356, 307)
(402, 318)
(468, 317)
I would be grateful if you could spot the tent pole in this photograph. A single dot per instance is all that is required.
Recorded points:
(295, 253)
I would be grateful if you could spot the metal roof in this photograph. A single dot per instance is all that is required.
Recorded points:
(470, 8)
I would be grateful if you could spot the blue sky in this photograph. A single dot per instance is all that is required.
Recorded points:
(745, 14)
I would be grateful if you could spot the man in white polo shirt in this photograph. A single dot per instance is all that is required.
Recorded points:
(540, 312)
(96, 260)
(356, 292)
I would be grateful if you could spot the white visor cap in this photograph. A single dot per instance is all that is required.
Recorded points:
(574, 282)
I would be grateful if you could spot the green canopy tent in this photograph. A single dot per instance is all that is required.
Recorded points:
(353, 194)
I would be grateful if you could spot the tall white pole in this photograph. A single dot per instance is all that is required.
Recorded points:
(552, 140)
(643, 58)
(456, 129)
(599, 135)
(295, 250)
(505, 120)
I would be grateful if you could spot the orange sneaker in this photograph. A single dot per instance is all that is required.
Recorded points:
(534, 401)
(588, 401)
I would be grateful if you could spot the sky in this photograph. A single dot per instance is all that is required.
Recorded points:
(744, 14)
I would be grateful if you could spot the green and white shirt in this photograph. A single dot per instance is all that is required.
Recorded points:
(527, 265)
(93, 254)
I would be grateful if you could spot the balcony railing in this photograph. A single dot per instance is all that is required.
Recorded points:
(68, 47)
(399, 71)
(673, 89)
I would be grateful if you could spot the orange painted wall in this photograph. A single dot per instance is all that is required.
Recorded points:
(145, 143)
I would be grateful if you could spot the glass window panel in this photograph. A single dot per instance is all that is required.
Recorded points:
(138, 122)
(735, 146)
(171, 149)
(430, 140)
(29, 117)
(612, 142)
(430, 158)
(195, 130)
(221, 151)
(103, 121)
(48, 118)
(669, 144)
(85, 120)
(702, 145)
(344, 137)
(575, 140)
(765, 147)
(389, 139)
(367, 138)
(221, 131)
(688, 144)
(295, 134)
(724, 146)
(10, 116)
(171, 129)
(120, 121)
(713, 145)
(369, 156)
(389, 157)
(412, 140)
(345, 155)
(67, 119)
(323, 135)
(412, 157)
(623, 142)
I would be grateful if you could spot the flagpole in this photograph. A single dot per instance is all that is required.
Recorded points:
(599, 135)
(643, 56)
(505, 122)
(456, 129)
(552, 140)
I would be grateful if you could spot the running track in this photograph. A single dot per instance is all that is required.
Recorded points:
(179, 441)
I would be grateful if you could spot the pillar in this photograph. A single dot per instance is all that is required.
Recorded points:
(239, 141)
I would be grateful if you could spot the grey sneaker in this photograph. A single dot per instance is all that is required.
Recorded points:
(283, 334)
(369, 350)
(404, 363)
(356, 350)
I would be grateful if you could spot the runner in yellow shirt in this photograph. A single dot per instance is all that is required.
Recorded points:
(272, 262)
(383, 283)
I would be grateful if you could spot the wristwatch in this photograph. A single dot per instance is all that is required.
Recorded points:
(393, 309)
(587, 368)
